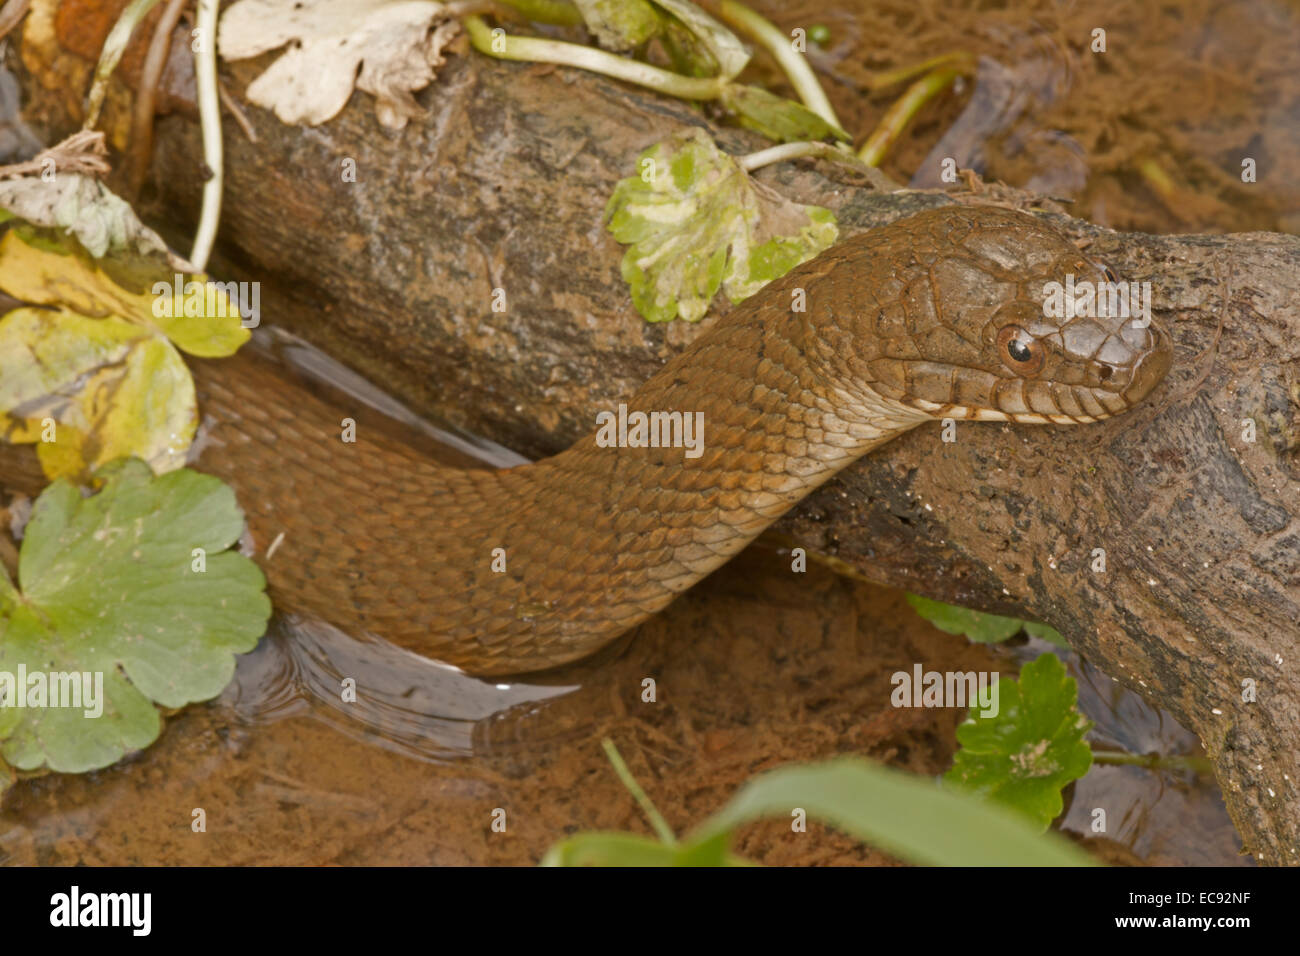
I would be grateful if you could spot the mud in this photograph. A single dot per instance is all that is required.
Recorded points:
(287, 779)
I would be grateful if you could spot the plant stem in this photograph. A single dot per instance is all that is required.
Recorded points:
(776, 154)
(556, 12)
(539, 50)
(1153, 761)
(794, 64)
(657, 822)
(12, 14)
(1159, 180)
(904, 110)
(160, 47)
(879, 81)
(110, 54)
(205, 75)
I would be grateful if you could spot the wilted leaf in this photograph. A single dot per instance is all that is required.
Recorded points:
(976, 625)
(102, 222)
(109, 588)
(101, 363)
(688, 55)
(111, 389)
(386, 47)
(1025, 755)
(201, 320)
(111, 54)
(695, 222)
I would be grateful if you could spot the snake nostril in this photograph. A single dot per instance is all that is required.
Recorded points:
(1105, 373)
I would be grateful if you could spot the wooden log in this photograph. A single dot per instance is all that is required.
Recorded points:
(502, 184)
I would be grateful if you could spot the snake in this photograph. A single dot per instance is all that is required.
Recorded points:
(939, 315)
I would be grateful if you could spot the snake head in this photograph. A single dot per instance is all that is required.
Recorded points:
(995, 315)
(1067, 367)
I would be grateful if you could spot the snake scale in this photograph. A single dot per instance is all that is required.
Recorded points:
(939, 315)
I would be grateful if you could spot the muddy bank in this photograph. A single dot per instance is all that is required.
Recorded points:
(285, 780)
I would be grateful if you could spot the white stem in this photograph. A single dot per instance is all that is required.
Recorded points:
(776, 154)
(205, 74)
(796, 67)
(537, 50)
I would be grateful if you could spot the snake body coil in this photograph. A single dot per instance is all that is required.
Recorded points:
(936, 316)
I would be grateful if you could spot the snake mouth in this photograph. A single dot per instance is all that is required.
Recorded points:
(967, 413)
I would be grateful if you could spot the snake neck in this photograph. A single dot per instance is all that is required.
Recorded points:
(517, 570)
(655, 520)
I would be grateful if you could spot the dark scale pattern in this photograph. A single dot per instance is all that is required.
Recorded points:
(900, 327)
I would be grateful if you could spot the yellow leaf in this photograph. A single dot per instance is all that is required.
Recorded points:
(144, 406)
(202, 320)
(111, 388)
(46, 353)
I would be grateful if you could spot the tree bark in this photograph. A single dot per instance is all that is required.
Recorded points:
(502, 186)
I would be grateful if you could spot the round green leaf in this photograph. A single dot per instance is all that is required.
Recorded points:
(136, 587)
(1032, 748)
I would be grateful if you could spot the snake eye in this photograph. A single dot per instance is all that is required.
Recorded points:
(1020, 351)
(1109, 273)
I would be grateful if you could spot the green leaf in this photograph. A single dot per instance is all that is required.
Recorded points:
(1043, 632)
(777, 117)
(723, 45)
(619, 24)
(109, 588)
(695, 223)
(610, 849)
(688, 55)
(905, 815)
(976, 625)
(1031, 749)
(909, 816)
(558, 12)
(631, 849)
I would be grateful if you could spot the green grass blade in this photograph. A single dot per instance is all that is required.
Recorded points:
(908, 816)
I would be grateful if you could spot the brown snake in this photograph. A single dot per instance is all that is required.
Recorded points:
(936, 316)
